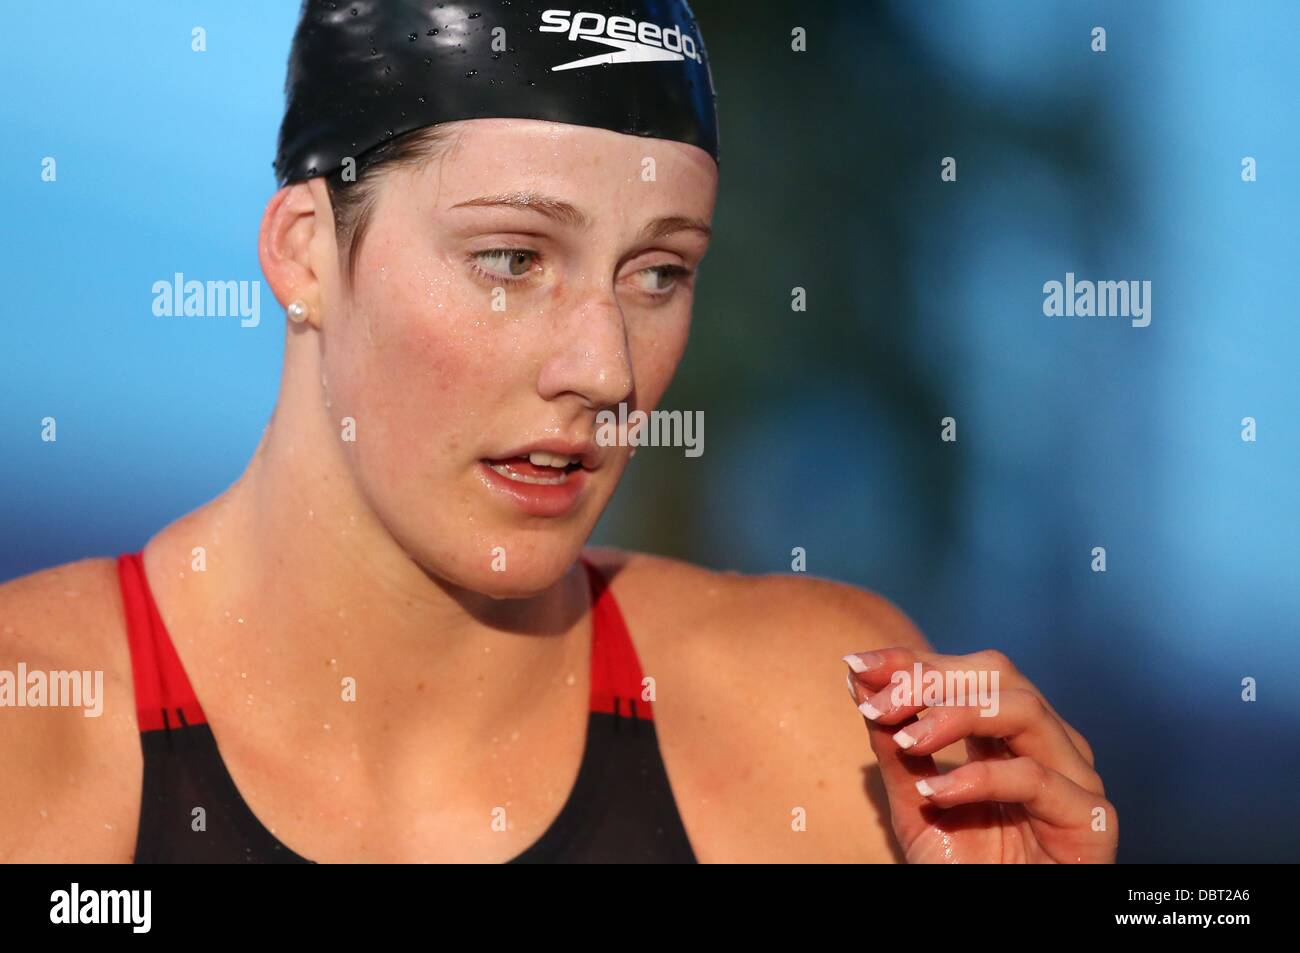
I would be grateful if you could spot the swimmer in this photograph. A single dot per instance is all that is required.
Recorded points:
(388, 641)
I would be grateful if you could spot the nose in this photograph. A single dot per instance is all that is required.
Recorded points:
(588, 356)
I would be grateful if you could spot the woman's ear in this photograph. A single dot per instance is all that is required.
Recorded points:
(295, 225)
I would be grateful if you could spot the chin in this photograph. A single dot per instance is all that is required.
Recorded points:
(529, 567)
(516, 589)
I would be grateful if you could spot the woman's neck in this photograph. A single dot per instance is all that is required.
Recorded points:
(298, 579)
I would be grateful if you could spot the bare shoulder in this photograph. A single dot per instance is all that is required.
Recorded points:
(760, 736)
(57, 612)
(71, 788)
(777, 614)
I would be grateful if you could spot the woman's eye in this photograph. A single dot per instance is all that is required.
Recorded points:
(661, 278)
(509, 263)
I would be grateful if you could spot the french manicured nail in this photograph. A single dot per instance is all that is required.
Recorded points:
(869, 711)
(878, 703)
(863, 661)
(912, 735)
(929, 787)
(853, 692)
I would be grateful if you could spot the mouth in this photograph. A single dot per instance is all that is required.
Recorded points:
(542, 479)
(538, 468)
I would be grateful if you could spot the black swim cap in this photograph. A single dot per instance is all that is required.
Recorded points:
(364, 71)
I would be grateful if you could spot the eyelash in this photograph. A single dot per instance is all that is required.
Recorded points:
(665, 271)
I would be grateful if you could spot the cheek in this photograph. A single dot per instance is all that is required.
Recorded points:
(657, 351)
(418, 361)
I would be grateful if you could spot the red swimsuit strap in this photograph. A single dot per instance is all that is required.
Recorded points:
(616, 676)
(164, 697)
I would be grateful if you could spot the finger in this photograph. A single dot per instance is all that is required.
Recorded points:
(1021, 721)
(1011, 677)
(873, 669)
(878, 668)
(1045, 794)
(899, 772)
(895, 684)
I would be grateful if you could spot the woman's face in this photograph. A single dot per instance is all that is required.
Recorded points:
(504, 294)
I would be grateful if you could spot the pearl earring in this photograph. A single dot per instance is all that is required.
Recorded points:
(297, 311)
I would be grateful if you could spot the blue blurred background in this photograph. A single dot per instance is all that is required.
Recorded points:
(924, 301)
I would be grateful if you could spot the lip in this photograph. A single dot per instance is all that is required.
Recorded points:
(587, 452)
(537, 499)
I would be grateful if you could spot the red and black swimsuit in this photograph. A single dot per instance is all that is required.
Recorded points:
(621, 809)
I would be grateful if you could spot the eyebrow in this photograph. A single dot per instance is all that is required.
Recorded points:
(566, 214)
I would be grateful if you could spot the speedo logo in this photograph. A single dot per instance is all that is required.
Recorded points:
(633, 41)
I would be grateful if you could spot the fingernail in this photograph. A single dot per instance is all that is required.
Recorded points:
(870, 712)
(929, 787)
(864, 661)
(853, 692)
(912, 734)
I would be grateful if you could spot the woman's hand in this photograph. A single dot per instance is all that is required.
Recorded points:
(1028, 792)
